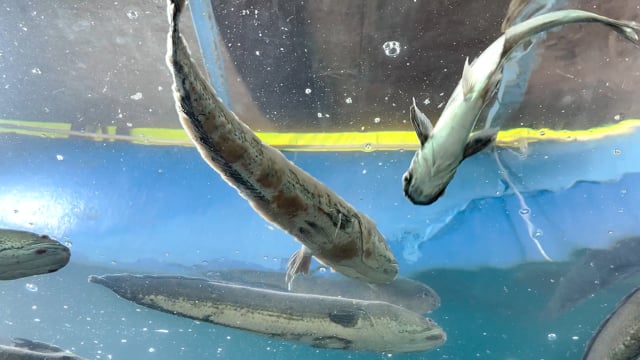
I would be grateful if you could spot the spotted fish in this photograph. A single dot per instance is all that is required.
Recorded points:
(24, 349)
(444, 146)
(328, 227)
(618, 337)
(321, 321)
(24, 253)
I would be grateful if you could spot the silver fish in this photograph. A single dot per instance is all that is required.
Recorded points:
(445, 146)
(410, 294)
(321, 321)
(328, 227)
(24, 253)
(618, 337)
(24, 349)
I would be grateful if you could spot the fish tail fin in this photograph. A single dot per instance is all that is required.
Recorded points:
(628, 29)
(299, 262)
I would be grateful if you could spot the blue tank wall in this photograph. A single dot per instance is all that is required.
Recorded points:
(125, 203)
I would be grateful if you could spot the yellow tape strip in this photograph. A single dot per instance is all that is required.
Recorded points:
(339, 141)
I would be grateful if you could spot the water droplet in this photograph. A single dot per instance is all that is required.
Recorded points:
(257, 52)
(36, 71)
(152, 350)
(377, 120)
(617, 152)
(132, 14)
(307, 91)
(617, 117)
(136, 96)
(524, 211)
(68, 243)
(59, 157)
(364, 171)
(537, 233)
(31, 287)
(552, 337)
(319, 115)
(391, 48)
(348, 100)
(575, 337)
(205, 262)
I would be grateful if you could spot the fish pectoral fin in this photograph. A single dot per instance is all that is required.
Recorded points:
(478, 141)
(421, 123)
(299, 262)
(468, 81)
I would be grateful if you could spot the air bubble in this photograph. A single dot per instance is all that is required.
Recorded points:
(31, 287)
(391, 48)
(617, 152)
(552, 337)
(524, 211)
(132, 14)
(307, 91)
(377, 120)
(348, 100)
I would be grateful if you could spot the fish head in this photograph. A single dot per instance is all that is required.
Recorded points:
(427, 178)
(26, 254)
(429, 172)
(414, 333)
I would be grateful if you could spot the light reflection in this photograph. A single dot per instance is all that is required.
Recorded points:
(52, 211)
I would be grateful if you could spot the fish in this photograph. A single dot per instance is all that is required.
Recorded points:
(328, 227)
(444, 146)
(317, 320)
(407, 293)
(618, 336)
(25, 349)
(592, 271)
(23, 253)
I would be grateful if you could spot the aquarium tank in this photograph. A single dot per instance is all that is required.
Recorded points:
(528, 249)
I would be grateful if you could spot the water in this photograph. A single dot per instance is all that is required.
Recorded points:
(489, 313)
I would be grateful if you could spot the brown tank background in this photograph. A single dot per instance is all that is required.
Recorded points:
(100, 64)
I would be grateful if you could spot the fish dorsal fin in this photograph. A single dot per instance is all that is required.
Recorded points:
(467, 79)
(478, 141)
(421, 123)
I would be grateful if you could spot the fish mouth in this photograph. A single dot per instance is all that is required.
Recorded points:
(423, 200)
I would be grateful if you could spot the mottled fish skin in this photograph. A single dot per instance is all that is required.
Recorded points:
(409, 294)
(445, 146)
(593, 271)
(618, 337)
(24, 349)
(336, 233)
(24, 253)
(320, 321)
